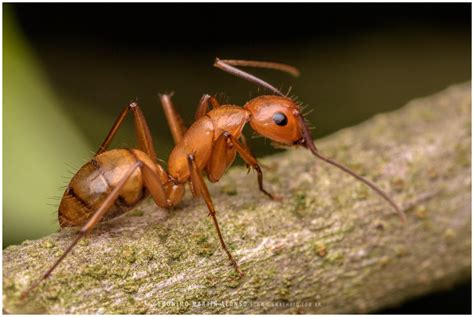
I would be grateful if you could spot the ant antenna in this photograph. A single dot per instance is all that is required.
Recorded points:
(307, 142)
(227, 65)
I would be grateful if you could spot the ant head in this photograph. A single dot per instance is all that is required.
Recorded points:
(277, 118)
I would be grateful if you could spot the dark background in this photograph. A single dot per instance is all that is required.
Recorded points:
(356, 60)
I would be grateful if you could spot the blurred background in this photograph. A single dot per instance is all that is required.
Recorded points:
(68, 70)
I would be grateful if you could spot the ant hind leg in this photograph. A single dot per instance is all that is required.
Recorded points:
(87, 228)
(145, 142)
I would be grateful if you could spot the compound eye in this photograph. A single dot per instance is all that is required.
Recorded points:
(280, 119)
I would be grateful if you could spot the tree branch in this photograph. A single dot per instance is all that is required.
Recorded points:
(331, 246)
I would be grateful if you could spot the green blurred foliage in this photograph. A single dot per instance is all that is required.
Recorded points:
(38, 137)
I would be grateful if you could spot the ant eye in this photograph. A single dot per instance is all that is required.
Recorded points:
(280, 119)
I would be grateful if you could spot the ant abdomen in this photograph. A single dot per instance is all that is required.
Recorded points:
(94, 181)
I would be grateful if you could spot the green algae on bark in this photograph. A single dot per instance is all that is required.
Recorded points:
(331, 246)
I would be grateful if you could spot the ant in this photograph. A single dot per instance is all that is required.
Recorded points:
(115, 181)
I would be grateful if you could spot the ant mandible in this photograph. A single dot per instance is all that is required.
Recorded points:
(116, 180)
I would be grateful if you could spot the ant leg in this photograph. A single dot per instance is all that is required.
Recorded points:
(113, 130)
(193, 190)
(165, 196)
(87, 228)
(245, 154)
(221, 158)
(201, 111)
(143, 135)
(200, 186)
(173, 118)
(145, 142)
(244, 142)
(154, 185)
(204, 105)
(141, 128)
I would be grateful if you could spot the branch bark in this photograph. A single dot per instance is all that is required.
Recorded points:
(332, 246)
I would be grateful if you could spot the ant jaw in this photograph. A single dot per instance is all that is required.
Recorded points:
(310, 146)
(306, 140)
(303, 142)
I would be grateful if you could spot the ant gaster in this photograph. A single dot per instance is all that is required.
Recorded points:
(116, 180)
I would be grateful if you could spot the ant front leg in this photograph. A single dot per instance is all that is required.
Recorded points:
(222, 156)
(245, 154)
(200, 186)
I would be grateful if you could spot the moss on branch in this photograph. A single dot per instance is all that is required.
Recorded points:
(331, 246)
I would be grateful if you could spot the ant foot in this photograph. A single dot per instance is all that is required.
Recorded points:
(236, 267)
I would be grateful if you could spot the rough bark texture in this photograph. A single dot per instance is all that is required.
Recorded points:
(331, 246)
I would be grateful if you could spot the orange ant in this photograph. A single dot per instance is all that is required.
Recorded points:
(116, 180)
